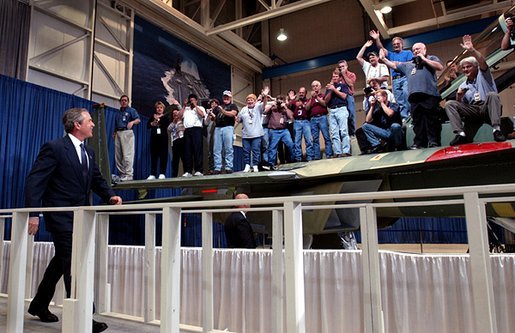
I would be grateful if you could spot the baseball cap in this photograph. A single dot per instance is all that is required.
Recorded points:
(227, 93)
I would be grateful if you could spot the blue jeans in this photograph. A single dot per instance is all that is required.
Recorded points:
(320, 124)
(252, 146)
(275, 137)
(351, 122)
(303, 128)
(339, 133)
(223, 139)
(400, 91)
(264, 144)
(374, 133)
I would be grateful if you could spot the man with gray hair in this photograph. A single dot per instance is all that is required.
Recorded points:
(477, 101)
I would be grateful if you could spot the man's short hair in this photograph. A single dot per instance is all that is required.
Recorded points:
(214, 100)
(399, 39)
(72, 116)
(190, 96)
(342, 62)
(371, 54)
(128, 99)
(382, 92)
(471, 60)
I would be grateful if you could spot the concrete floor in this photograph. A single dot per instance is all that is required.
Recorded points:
(33, 325)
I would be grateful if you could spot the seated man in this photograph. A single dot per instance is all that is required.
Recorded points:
(477, 101)
(383, 121)
(375, 84)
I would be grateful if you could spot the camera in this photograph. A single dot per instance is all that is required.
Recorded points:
(368, 90)
(417, 60)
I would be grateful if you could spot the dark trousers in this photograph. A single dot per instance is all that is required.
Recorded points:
(193, 149)
(177, 155)
(60, 265)
(426, 121)
(158, 151)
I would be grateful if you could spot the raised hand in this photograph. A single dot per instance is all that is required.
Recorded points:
(374, 34)
(467, 43)
(369, 43)
(265, 91)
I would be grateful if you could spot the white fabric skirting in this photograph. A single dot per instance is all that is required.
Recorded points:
(420, 293)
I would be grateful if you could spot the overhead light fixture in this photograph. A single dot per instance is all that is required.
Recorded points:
(385, 10)
(281, 36)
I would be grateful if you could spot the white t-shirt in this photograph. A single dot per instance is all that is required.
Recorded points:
(191, 117)
(379, 71)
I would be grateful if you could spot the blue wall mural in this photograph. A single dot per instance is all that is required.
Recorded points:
(166, 67)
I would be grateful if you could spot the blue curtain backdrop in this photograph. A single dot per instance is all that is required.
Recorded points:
(30, 115)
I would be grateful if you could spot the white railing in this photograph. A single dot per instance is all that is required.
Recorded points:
(91, 227)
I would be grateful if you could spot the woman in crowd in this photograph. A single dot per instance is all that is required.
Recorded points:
(252, 130)
(158, 141)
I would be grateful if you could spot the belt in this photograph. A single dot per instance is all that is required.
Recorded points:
(337, 106)
(301, 118)
(118, 129)
(399, 77)
(318, 115)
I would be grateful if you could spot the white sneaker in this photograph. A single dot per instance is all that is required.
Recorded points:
(161, 176)
(151, 177)
(198, 173)
(187, 175)
(125, 178)
(247, 168)
(255, 168)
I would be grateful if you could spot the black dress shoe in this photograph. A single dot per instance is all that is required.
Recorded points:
(498, 136)
(458, 140)
(44, 315)
(98, 326)
(377, 149)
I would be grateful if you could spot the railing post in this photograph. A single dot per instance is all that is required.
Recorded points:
(277, 272)
(207, 272)
(480, 265)
(294, 264)
(78, 310)
(17, 266)
(171, 271)
(103, 289)
(150, 269)
(29, 267)
(372, 312)
(2, 234)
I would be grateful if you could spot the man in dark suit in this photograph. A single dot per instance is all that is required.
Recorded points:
(64, 175)
(238, 230)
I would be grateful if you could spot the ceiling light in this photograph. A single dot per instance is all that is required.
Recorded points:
(386, 10)
(281, 36)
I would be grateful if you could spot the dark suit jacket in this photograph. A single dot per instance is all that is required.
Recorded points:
(239, 232)
(56, 180)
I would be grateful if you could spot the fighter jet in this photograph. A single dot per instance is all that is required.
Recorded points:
(469, 164)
